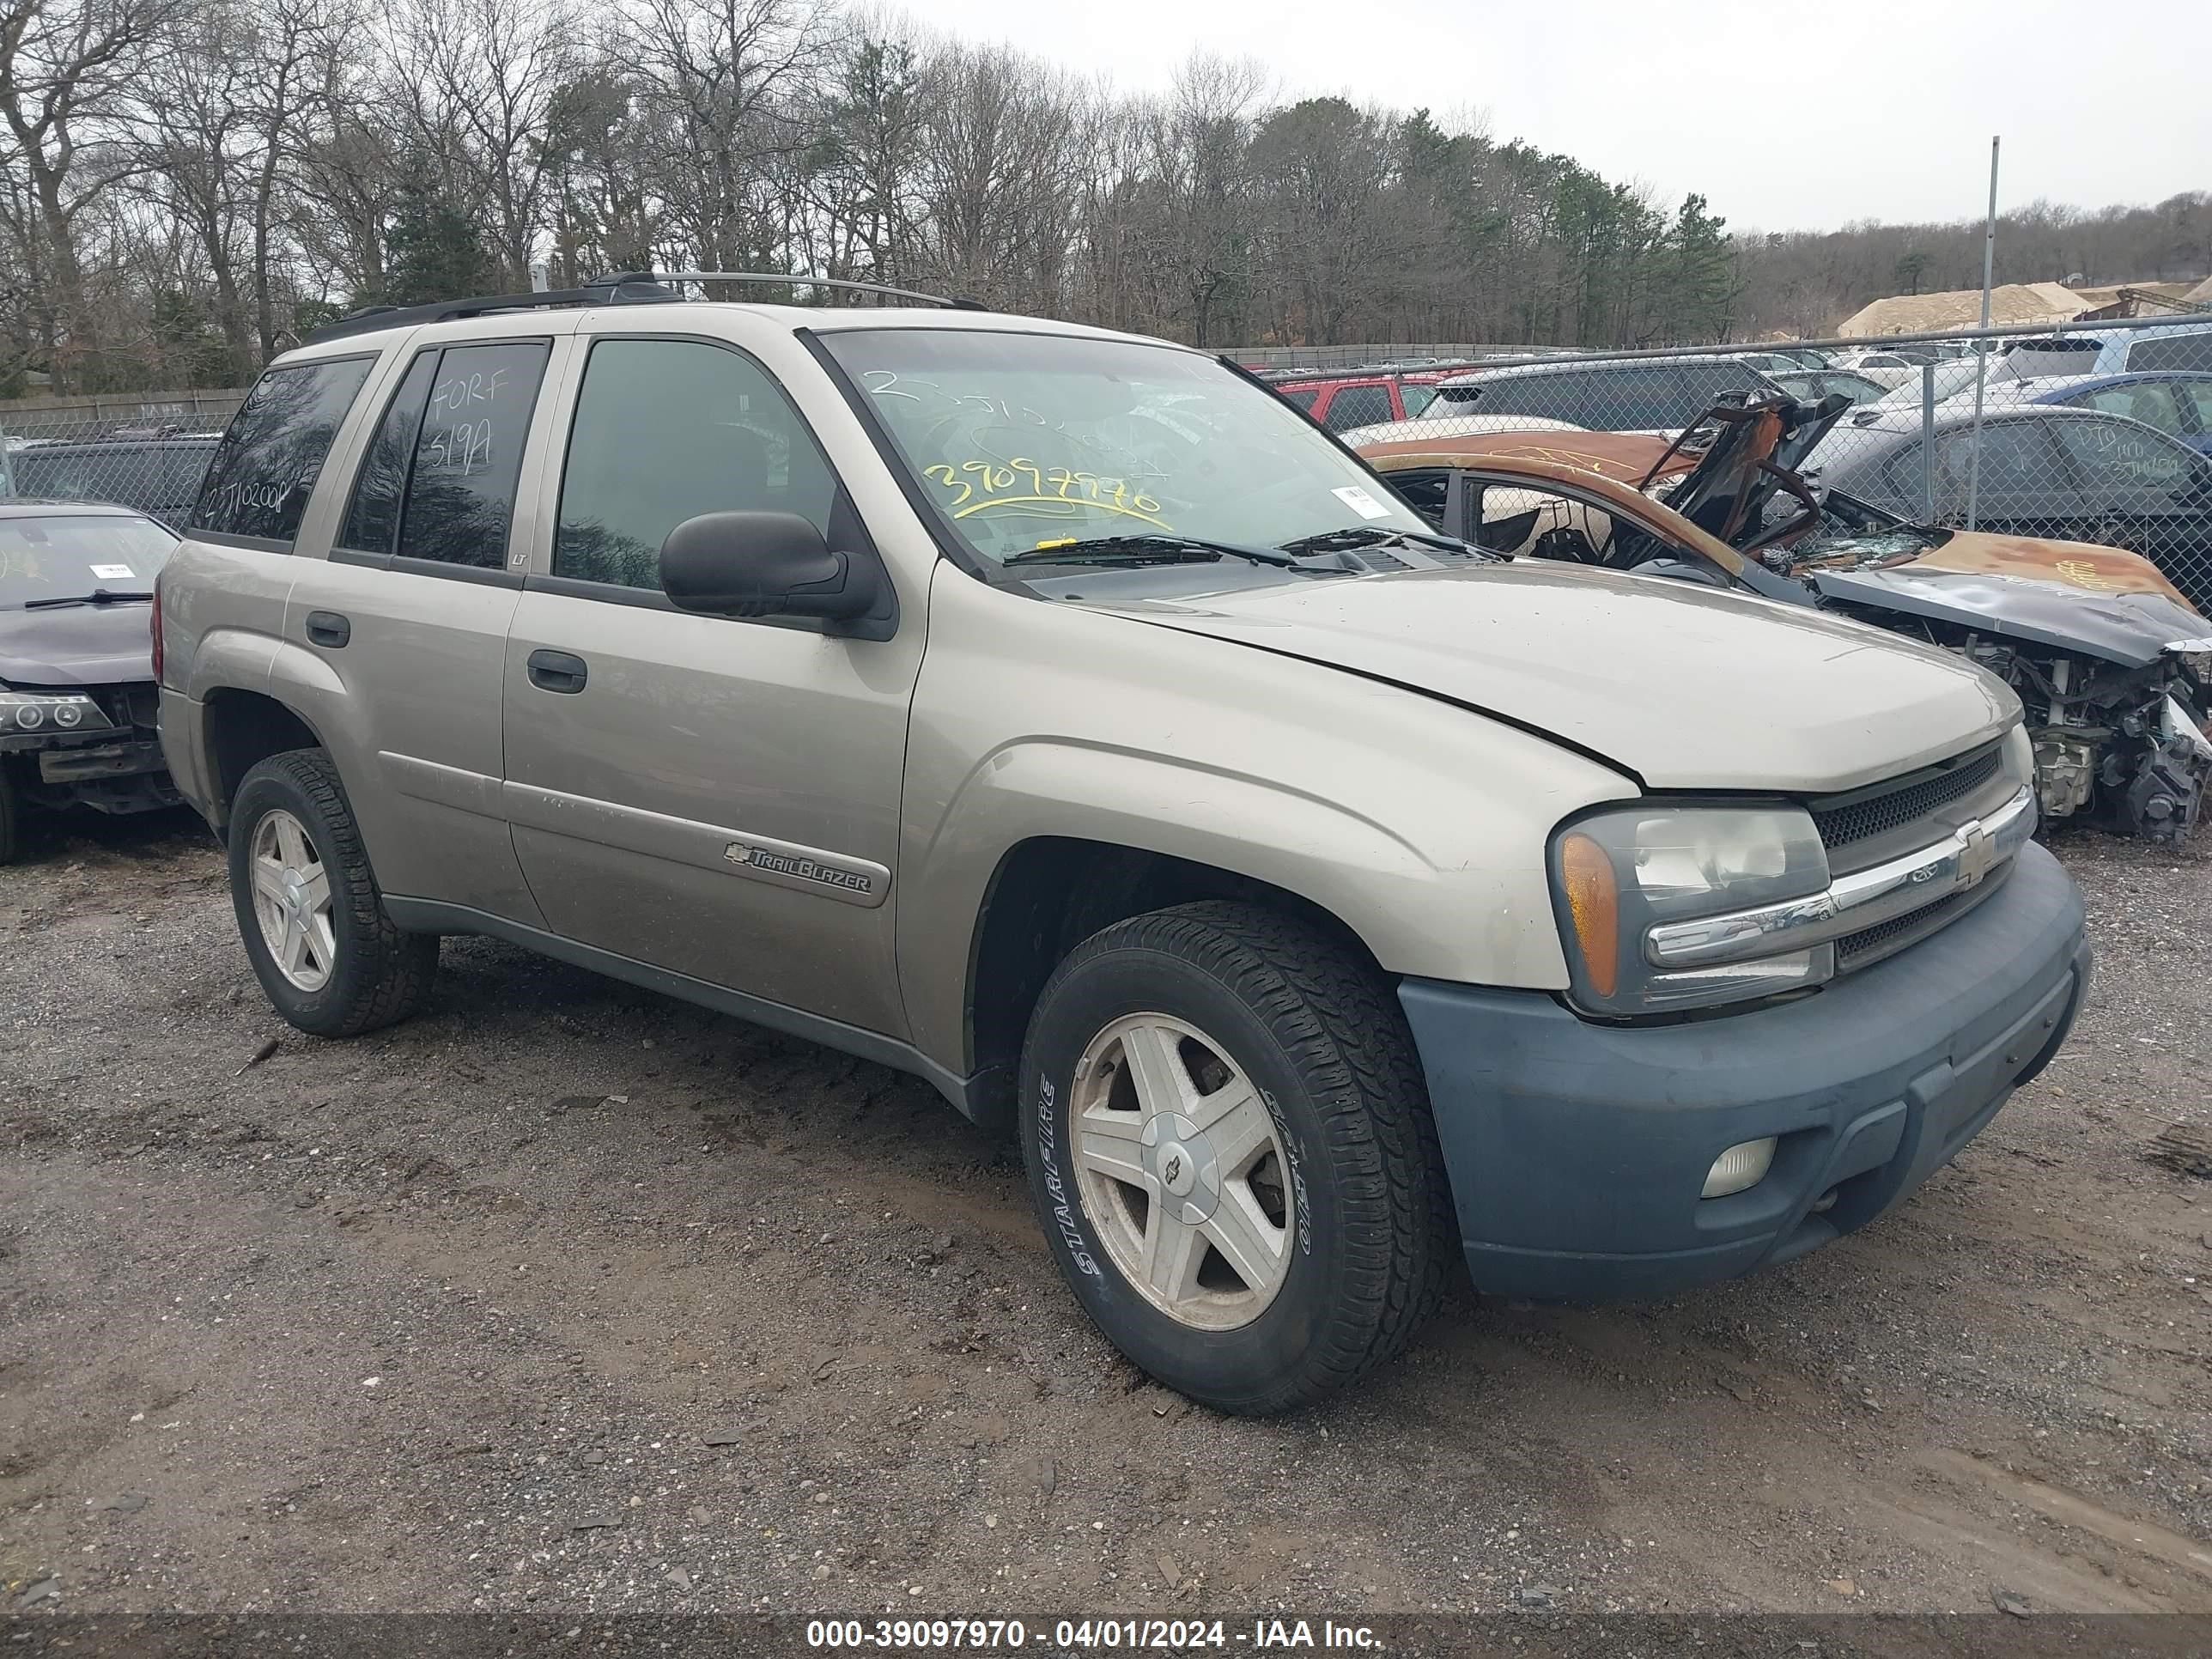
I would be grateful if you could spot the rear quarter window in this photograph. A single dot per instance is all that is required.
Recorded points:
(2172, 351)
(1358, 405)
(264, 469)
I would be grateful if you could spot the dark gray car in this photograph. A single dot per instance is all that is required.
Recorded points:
(1627, 394)
(159, 476)
(2050, 472)
(78, 711)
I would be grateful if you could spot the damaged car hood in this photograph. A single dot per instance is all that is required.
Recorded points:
(2131, 629)
(76, 645)
(2072, 596)
(1684, 686)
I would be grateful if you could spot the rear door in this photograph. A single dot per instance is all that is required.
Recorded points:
(409, 612)
(713, 797)
(2140, 490)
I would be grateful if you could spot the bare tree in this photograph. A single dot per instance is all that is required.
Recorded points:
(67, 69)
(486, 74)
(720, 86)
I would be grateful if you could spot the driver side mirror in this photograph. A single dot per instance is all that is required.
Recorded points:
(764, 564)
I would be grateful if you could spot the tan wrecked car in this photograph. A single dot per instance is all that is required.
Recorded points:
(2111, 661)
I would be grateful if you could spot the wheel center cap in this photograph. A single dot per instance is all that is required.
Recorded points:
(1178, 1169)
(1179, 1157)
(295, 892)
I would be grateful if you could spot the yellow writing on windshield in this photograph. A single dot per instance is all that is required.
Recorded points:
(1022, 482)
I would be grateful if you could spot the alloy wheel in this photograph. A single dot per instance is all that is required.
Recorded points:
(292, 900)
(1182, 1170)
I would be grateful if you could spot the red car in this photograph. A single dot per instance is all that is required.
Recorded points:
(1341, 401)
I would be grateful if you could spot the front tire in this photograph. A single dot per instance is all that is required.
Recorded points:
(325, 949)
(1229, 1143)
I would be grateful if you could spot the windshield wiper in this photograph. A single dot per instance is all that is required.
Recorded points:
(1147, 550)
(98, 596)
(1352, 538)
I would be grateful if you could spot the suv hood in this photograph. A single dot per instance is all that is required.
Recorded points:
(76, 645)
(1683, 686)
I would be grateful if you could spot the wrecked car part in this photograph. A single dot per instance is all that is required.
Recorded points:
(2095, 641)
(2065, 774)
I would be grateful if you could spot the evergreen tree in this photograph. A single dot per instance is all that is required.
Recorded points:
(433, 251)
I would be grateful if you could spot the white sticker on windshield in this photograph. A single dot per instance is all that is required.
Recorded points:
(1356, 497)
(114, 573)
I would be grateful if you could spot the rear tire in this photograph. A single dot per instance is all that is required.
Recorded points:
(1229, 1143)
(324, 947)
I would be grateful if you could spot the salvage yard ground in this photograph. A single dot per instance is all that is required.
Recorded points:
(570, 1298)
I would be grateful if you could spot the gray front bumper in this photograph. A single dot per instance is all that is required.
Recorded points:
(1577, 1151)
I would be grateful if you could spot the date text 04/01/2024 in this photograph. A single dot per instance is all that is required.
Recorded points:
(1096, 1635)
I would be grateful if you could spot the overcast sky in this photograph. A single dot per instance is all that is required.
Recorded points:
(1787, 116)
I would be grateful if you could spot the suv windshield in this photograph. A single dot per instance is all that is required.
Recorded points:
(1025, 440)
(75, 556)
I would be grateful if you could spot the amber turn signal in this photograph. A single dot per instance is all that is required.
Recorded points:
(1594, 902)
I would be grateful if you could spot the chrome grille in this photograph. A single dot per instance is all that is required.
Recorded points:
(1893, 806)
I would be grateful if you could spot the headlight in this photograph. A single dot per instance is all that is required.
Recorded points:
(37, 714)
(1618, 874)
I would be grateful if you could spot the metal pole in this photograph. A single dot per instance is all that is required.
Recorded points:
(1982, 344)
(1928, 443)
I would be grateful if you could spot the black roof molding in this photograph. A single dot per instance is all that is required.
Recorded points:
(616, 287)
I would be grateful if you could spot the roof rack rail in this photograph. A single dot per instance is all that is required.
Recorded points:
(616, 287)
(777, 278)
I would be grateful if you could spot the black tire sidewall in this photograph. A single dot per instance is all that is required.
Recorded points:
(1257, 1366)
(269, 787)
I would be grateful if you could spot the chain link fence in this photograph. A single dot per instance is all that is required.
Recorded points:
(2097, 433)
(148, 451)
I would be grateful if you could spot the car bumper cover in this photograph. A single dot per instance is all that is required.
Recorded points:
(1577, 1153)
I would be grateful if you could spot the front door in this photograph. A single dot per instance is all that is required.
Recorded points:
(715, 797)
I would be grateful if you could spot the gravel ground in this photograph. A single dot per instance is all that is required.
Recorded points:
(567, 1297)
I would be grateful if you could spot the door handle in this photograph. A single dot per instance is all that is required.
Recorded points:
(556, 671)
(328, 628)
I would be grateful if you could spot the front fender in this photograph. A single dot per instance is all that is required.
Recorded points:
(1420, 825)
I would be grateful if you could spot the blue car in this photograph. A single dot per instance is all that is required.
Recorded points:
(2179, 405)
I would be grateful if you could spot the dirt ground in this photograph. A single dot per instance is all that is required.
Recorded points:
(566, 1297)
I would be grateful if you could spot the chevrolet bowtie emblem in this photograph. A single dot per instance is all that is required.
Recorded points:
(1977, 856)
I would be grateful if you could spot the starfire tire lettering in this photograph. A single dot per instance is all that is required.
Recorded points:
(1063, 1212)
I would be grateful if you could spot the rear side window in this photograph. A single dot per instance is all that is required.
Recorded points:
(438, 483)
(2196, 399)
(266, 466)
(2150, 402)
(1358, 405)
(2120, 466)
(2172, 351)
(460, 489)
(372, 519)
(1304, 397)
